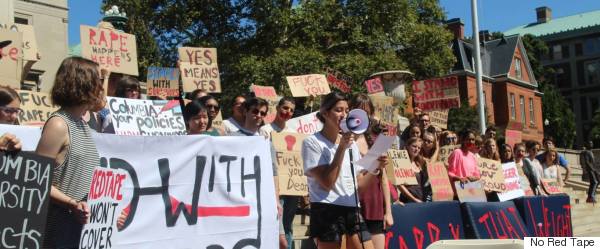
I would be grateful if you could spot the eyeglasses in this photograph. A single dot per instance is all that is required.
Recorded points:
(215, 107)
(451, 138)
(11, 110)
(256, 112)
(428, 141)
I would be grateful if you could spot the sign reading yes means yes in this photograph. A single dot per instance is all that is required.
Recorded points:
(199, 69)
(110, 48)
(146, 117)
(292, 180)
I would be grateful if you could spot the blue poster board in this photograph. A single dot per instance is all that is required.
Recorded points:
(493, 220)
(546, 216)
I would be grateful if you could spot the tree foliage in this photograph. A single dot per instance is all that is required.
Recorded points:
(262, 41)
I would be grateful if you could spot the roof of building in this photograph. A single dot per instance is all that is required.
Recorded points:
(496, 56)
(559, 25)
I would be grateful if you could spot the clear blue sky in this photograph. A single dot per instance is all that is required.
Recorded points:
(494, 15)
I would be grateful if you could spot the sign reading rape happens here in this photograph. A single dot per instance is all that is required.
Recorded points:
(110, 48)
(37, 108)
(209, 192)
(199, 69)
(292, 180)
(146, 117)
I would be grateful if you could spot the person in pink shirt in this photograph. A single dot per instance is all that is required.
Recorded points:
(462, 164)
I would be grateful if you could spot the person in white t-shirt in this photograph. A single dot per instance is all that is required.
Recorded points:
(237, 118)
(327, 157)
(285, 110)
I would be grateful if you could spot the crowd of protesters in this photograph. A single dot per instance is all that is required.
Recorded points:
(328, 156)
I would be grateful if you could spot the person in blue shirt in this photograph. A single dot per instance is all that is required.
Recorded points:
(548, 143)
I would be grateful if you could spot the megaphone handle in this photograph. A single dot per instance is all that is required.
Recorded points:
(355, 196)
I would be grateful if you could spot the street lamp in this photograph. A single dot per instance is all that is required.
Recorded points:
(546, 122)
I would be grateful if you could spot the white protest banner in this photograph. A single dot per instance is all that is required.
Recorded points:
(512, 181)
(199, 69)
(146, 117)
(470, 191)
(37, 108)
(11, 59)
(292, 180)
(436, 94)
(308, 85)
(29, 135)
(307, 124)
(110, 48)
(380, 147)
(163, 82)
(25, 182)
(191, 191)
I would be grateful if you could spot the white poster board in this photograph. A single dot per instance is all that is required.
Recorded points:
(306, 124)
(146, 117)
(29, 135)
(190, 192)
(512, 182)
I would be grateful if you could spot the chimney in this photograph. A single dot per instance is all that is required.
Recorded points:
(484, 35)
(544, 14)
(457, 27)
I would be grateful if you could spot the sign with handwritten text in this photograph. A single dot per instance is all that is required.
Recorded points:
(440, 183)
(199, 69)
(445, 152)
(512, 180)
(110, 48)
(292, 180)
(146, 117)
(37, 108)
(492, 175)
(399, 169)
(11, 58)
(308, 85)
(470, 191)
(25, 182)
(163, 82)
(436, 94)
(338, 80)
(306, 124)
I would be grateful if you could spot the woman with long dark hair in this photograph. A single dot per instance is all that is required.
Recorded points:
(10, 105)
(422, 191)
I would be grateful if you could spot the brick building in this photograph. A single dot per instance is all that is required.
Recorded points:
(574, 43)
(512, 99)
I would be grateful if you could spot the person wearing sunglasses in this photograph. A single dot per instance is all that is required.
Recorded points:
(10, 103)
(255, 110)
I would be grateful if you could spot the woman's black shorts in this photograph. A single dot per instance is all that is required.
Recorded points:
(328, 222)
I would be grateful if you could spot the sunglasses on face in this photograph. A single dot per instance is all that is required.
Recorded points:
(11, 110)
(256, 112)
(215, 107)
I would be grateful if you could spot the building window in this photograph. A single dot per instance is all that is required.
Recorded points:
(513, 112)
(565, 52)
(518, 72)
(578, 49)
(557, 52)
(23, 19)
(531, 113)
(522, 106)
(562, 75)
(591, 46)
(584, 109)
(592, 72)
(594, 105)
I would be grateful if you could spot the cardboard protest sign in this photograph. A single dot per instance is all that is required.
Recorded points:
(436, 94)
(217, 123)
(338, 80)
(470, 191)
(385, 109)
(440, 183)
(110, 48)
(399, 169)
(308, 85)
(513, 137)
(552, 187)
(494, 220)
(209, 192)
(11, 58)
(512, 181)
(24, 209)
(29, 135)
(525, 184)
(439, 119)
(445, 152)
(267, 93)
(374, 85)
(288, 146)
(163, 82)
(199, 69)
(37, 108)
(306, 124)
(146, 117)
(546, 216)
(30, 49)
(492, 175)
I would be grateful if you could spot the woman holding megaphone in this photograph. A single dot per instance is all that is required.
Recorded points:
(332, 179)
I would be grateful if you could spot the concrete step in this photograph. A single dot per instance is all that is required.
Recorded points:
(585, 228)
(594, 232)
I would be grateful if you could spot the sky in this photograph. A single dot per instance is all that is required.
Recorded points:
(494, 15)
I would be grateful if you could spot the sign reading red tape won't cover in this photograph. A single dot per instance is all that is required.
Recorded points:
(436, 94)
